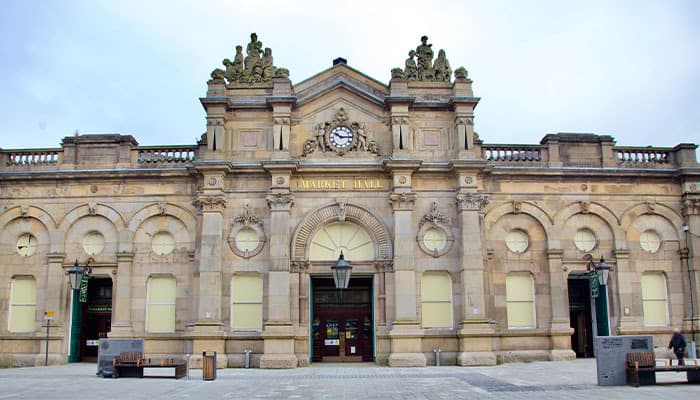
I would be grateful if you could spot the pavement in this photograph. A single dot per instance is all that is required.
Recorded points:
(569, 380)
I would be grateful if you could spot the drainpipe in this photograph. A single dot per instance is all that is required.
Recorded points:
(691, 345)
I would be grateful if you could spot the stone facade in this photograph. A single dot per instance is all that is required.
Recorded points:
(283, 161)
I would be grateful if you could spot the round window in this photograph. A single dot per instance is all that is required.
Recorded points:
(585, 240)
(163, 243)
(650, 241)
(93, 243)
(517, 241)
(435, 239)
(247, 240)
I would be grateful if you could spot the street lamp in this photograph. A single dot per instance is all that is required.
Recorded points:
(341, 274)
(75, 277)
(601, 272)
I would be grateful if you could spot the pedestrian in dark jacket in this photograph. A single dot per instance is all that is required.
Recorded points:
(678, 345)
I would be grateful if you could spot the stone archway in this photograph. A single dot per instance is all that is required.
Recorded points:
(341, 212)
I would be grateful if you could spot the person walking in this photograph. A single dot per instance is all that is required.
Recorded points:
(678, 343)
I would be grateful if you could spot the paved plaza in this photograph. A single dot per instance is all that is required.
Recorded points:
(551, 380)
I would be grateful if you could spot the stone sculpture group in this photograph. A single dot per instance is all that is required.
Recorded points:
(419, 65)
(256, 67)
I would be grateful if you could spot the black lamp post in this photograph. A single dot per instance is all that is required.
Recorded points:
(341, 274)
(75, 276)
(601, 272)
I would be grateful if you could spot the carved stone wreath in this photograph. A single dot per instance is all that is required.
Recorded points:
(243, 224)
(340, 136)
(435, 226)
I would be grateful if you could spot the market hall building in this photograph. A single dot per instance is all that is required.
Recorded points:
(483, 251)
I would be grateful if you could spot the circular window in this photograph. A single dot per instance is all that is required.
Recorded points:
(585, 240)
(163, 243)
(26, 245)
(247, 240)
(435, 239)
(93, 243)
(517, 241)
(650, 241)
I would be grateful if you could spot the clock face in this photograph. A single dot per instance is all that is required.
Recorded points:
(93, 243)
(163, 243)
(26, 245)
(341, 137)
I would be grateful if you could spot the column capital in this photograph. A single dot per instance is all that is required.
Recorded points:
(555, 254)
(384, 265)
(691, 206)
(299, 266)
(471, 201)
(56, 258)
(280, 201)
(402, 201)
(210, 203)
(125, 256)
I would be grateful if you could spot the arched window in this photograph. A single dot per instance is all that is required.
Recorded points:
(160, 312)
(520, 300)
(22, 304)
(654, 299)
(246, 302)
(436, 301)
(349, 238)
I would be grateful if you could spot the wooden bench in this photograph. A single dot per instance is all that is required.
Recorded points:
(641, 369)
(131, 364)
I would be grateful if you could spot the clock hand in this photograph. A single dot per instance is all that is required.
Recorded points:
(19, 246)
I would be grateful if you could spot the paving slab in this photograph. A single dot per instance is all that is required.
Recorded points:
(569, 380)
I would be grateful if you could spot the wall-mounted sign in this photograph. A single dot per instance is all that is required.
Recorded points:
(332, 342)
(327, 184)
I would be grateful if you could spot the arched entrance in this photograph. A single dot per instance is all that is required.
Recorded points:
(342, 323)
(343, 327)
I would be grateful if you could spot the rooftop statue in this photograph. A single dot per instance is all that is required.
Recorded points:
(257, 66)
(419, 65)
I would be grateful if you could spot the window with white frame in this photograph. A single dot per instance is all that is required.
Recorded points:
(654, 299)
(246, 302)
(160, 310)
(436, 301)
(22, 304)
(520, 300)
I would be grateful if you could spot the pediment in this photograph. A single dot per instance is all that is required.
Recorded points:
(341, 77)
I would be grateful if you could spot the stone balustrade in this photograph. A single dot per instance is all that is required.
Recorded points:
(165, 155)
(513, 153)
(644, 156)
(31, 157)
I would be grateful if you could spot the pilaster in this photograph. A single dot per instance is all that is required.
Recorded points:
(406, 333)
(282, 102)
(278, 331)
(121, 315)
(56, 288)
(690, 257)
(560, 328)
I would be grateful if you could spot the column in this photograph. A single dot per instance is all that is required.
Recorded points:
(560, 328)
(278, 331)
(476, 329)
(121, 313)
(691, 263)
(56, 282)
(630, 312)
(209, 332)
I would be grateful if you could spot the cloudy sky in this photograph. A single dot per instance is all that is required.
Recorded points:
(630, 69)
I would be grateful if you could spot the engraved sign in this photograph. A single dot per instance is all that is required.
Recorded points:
(333, 184)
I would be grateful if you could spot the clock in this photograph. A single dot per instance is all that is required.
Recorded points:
(435, 239)
(341, 137)
(162, 243)
(26, 245)
(93, 243)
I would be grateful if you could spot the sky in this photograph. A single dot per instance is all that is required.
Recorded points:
(630, 69)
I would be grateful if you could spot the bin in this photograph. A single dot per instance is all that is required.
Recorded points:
(208, 366)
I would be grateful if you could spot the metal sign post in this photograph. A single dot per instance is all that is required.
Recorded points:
(48, 316)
